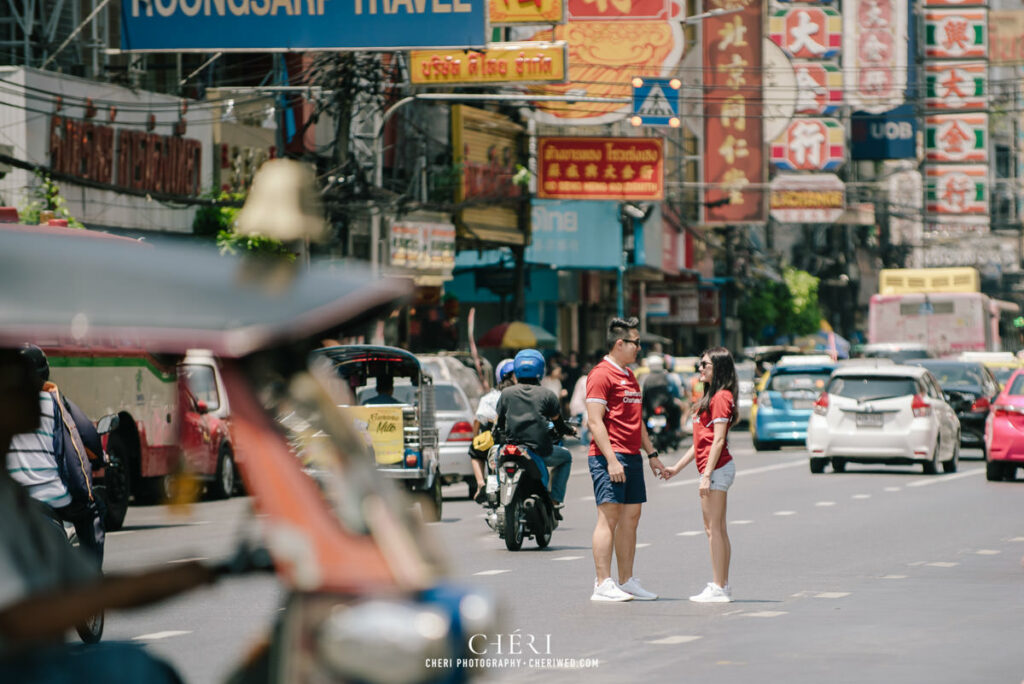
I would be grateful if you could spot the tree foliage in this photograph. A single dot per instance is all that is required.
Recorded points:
(805, 313)
(45, 196)
(771, 309)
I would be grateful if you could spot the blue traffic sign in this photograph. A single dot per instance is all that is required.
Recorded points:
(656, 102)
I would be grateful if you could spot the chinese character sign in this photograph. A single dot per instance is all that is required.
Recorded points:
(600, 168)
(810, 145)
(733, 105)
(957, 138)
(526, 12)
(956, 85)
(807, 32)
(956, 34)
(956, 189)
(875, 46)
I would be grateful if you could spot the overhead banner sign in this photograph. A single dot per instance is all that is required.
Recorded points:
(733, 129)
(810, 198)
(1006, 37)
(875, 46)
(279, 25)
(511, 12)
(499, 63)
(575, 234)
(600, 168)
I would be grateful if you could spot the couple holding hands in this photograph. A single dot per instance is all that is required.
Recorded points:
(616, 466)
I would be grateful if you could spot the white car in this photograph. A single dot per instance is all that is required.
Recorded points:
(889, 414)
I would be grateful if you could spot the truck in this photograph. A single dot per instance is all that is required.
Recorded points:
(940, 308)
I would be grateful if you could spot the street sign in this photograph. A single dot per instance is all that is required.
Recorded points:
(656, 102)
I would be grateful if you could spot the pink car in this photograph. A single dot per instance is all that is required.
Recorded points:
(1004, 431)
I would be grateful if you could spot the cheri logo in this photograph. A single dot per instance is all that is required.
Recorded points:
(624, 6)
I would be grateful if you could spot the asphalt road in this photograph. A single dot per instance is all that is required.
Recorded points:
(873, 575)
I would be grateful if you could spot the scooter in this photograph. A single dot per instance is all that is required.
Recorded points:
(664, 436)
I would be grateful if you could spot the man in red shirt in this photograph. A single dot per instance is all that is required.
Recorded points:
(614, 416)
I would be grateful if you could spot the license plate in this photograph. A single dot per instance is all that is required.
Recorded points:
(803, 404)
(492, 484)
(869, 420)
(656, 421)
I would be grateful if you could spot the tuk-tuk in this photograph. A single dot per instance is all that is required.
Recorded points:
(398, 424)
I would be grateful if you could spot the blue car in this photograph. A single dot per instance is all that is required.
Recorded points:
(785, 404)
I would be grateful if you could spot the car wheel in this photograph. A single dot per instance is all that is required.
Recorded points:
(224, 481)
(993, 471)
(951, 465)
(432, 501)
(839, 465)
(157, 490)
(932, 467)
(817, 465)
(1009, 472)
(764, 446)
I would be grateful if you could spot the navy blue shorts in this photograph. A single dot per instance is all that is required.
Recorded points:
(632, 491)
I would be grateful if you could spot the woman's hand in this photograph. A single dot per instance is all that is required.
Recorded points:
(705, 484)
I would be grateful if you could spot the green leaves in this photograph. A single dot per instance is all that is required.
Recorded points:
(770, 309)
(46, 197)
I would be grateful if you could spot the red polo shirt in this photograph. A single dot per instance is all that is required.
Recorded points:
(616, 387)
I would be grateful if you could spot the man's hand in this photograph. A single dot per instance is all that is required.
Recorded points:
(615, 470)
(657, 467)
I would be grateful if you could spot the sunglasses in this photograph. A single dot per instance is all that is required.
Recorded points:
(636, 341)
(703, 364)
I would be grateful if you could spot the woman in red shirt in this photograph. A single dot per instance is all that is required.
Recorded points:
(714, 414)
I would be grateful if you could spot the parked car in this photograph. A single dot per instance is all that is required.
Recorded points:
(786, 399)
(746, 377)
(1004, 432)
(891, 415)
(459, 369)
(970, 389)
(454, 429)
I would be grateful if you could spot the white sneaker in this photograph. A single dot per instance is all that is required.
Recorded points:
(609, 591)
(633, 588)
(713, 594)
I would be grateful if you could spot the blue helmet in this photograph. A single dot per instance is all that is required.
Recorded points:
(502, 370)
(529, 365)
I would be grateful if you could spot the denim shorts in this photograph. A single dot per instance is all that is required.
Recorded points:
(721, 478)
(632, 491)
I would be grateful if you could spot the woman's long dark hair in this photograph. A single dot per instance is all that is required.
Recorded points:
(723, 376)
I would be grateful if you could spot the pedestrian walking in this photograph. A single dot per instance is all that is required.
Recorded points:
(614, 416)
(714, 414)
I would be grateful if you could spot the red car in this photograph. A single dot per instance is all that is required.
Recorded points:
(1004, 431)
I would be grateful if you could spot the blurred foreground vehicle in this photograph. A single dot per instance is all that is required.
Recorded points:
(890, 414)
(1004, 432)
(364, 594)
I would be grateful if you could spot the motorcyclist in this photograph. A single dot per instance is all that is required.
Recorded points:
(54, 463)
(659, 390)
(486, 414)
(525, 411)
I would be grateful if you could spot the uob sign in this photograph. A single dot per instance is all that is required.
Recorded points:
(891, 135)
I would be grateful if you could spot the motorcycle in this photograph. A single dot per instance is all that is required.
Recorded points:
(110, 476)
(662, 427)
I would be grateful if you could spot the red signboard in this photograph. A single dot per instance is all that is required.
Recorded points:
(600, 168)
(733, 130)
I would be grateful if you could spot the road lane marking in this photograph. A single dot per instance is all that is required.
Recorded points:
(825, 504)
(942, 564)
(588, 498)
(746, 471)
(740, 522)
(988, 552)
(766, 614)
(784, 513)
(893, 577)
(832, 594)
(567, 558)
(692, 533)
(892, 489)
(491, 572)
(945, 478)
(916, 563)
(1017, 539)
(644, 545)
(161, 635)
(188, 560)
(114, 534)
(861, 496)
(672, 640)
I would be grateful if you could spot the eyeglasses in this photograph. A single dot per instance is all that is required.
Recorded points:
(703, 364)
(636, 341)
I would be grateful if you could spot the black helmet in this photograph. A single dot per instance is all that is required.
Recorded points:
(37, 358)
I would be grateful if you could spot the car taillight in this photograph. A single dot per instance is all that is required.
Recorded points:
(411, 459)
(920, 407)
(510, 450)
(461, 432)
(510, 470)
(821, 405)
(658, 411)
(980, 405)
(1006, 410)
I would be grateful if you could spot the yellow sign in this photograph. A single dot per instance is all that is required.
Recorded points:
(526, 12)
(499, 63)
(383, 430)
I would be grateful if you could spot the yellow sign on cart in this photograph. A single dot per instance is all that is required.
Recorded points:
(383, 430)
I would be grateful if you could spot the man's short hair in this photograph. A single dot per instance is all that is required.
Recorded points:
(385, 383)
(619, 329)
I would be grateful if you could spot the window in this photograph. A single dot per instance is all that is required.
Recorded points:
(812, 381)
(1017, 386)
(867, 387)
(956, 374)
(448, 398)
(202, 382)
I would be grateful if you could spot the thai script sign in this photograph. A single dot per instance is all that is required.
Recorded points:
(207, 25)
(980, 252)
(499, 63)
(128, 158)
(810, 145)
(956, 189)
(956, 85)
(733, 105)
(956, 138)
(807, 198)
(807, 32)
(819, 87)
(600, 168)
(1006, 37)
(956, 34)
(875, 53)
(502, 12)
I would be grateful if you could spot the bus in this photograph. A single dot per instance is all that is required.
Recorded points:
(940, 308)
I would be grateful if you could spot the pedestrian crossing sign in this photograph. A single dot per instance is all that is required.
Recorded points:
(656, 102)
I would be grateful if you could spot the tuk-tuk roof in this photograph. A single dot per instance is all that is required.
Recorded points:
(349, 359)
(72, 288)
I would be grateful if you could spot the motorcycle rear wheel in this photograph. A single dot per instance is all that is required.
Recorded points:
(91, 631)
(514, 524)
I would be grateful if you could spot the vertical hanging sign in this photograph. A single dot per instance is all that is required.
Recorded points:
(733, 132)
